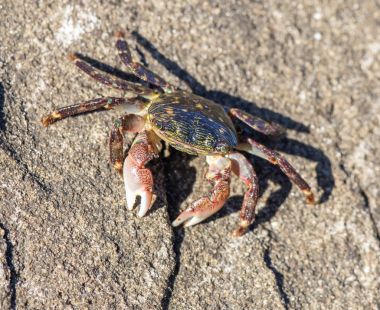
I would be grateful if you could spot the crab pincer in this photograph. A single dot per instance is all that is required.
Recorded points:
(138, 180)
(219, 172)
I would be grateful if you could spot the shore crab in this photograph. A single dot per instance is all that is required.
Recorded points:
(189, 123)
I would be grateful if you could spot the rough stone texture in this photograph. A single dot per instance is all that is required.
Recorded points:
(66, 238)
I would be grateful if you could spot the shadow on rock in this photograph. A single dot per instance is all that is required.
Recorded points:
(2, 116)
(178, 189)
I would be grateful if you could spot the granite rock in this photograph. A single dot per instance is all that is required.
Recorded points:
(67, 240)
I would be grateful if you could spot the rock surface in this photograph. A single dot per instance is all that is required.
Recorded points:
(66, 238)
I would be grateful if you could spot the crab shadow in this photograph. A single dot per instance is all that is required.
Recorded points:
(2, 116)
(180, 176)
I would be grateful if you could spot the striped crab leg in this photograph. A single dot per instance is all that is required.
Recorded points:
(128, 123)
(107, 103)
(276, 158)
(138, 69)
(108, 80)
(244, 170)
(258, 124)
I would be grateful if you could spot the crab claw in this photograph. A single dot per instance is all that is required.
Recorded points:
(131, 197)
(199, 211)
(146, 200)
(138, 182)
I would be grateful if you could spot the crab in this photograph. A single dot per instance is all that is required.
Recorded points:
(158, 112)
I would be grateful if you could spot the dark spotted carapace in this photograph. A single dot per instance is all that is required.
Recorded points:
(192, 124)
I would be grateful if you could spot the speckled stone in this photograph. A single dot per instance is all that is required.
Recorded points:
(67, 240)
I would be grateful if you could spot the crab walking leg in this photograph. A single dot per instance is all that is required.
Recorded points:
(266, 128)
(138, 69)
(106, 103)
(107, 79)
(128, 123)
(219, 172)
(244, 170)
(138, 180)
(275, 158)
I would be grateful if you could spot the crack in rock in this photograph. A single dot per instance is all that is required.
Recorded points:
(24, 167)
(367, 207)
(279, 279)
(11, 267)
(177, 241)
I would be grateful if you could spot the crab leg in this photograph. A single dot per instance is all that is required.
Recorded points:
(106, 103)
(138, 69)
(244, 170)
(266, 128)
(128, 123)
(219, 172)
(138, 180)
(275, 158)
(107, 79)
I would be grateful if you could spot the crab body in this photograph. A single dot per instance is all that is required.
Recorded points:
(187, 122)
(192, 124)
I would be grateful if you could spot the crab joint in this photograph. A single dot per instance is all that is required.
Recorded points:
(50, 119)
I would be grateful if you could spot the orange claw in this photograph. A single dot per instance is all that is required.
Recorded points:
(219, 172)
(199, 211)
